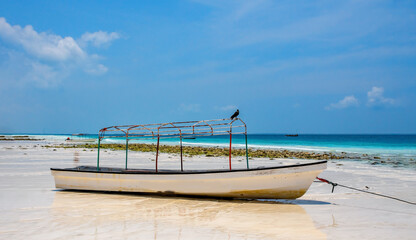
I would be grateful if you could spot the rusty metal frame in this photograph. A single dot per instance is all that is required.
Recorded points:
(175, 130)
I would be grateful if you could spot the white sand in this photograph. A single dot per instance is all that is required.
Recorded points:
(31, 208)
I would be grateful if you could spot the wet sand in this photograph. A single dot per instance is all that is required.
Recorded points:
(32, 208)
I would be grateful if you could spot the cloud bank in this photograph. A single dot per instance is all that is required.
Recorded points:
(49, 57)
(375, 98)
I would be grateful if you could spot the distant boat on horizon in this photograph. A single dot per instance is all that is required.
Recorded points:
(292, 135)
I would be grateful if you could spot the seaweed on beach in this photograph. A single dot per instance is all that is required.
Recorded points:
(211, 151)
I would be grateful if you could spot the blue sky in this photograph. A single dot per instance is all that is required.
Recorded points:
(289, 66)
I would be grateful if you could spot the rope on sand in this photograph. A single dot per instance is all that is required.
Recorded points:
(364, 191)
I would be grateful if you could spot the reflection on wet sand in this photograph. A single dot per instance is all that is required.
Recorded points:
(148, 217)
(76, 156)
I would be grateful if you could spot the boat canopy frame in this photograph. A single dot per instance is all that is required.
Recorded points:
(188, 129)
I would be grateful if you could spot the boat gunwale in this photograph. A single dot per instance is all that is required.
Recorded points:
(178, 172)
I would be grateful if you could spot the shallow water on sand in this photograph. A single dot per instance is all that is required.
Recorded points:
(32, 208)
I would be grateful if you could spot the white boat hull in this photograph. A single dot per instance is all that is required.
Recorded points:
(286, 182)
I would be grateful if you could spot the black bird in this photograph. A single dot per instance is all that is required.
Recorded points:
(235, 114)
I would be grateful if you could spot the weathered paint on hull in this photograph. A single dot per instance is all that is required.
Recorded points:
(280, 183)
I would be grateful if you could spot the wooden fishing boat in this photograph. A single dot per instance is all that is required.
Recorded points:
(280, 182)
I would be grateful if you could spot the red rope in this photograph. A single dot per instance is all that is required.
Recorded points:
(322, 180)
(329, 182)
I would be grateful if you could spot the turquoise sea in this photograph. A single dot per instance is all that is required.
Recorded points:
(390, 150)
(393, 150)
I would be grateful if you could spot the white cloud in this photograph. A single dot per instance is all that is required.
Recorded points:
(192, 107)
(99, 38)
(48, 57)
(376, 98)
(41, 45)
(348, 101)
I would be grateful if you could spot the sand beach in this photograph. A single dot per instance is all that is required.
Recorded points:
(287, 88)
(33, 209)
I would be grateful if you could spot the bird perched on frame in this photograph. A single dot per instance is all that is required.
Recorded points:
(235, 114)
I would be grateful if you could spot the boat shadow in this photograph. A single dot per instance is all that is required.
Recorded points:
(203, 198)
